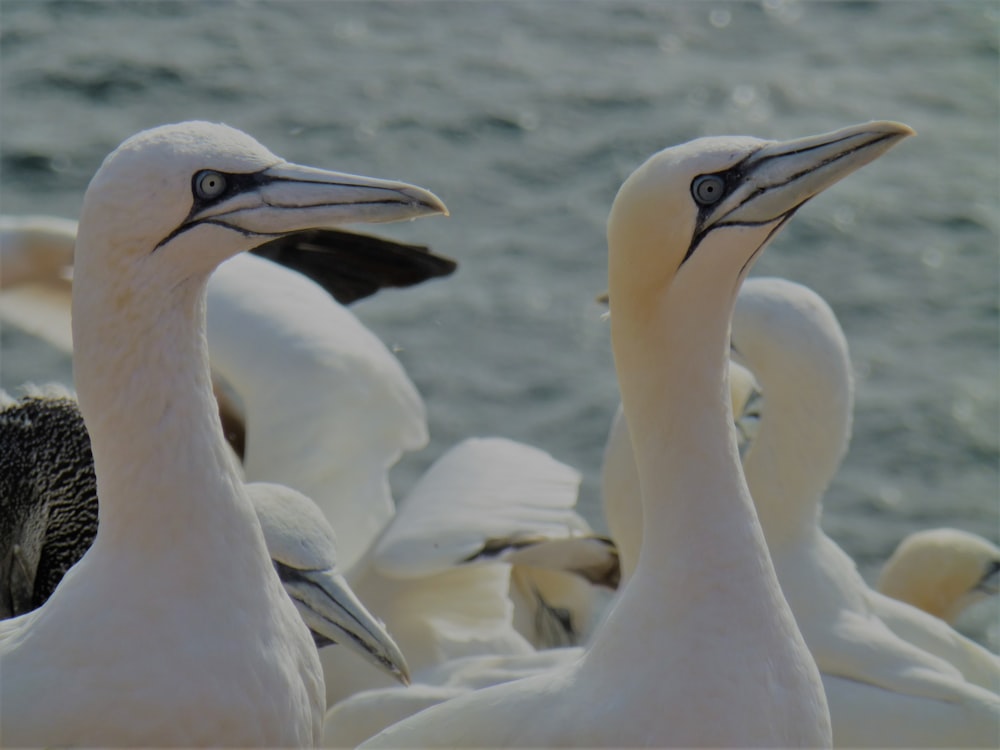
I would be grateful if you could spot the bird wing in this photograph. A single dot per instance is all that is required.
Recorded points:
(40, 308)
(481, 501)
(351, 266)
(863, 649)
(977, 665)
(328, 408)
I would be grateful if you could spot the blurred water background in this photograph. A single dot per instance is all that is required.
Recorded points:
(525, 117)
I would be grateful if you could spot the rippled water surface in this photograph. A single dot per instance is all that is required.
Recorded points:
(525, 117)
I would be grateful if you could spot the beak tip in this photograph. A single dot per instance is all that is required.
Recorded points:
(893, 128)
(426, 201)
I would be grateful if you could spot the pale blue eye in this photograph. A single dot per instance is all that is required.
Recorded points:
(209, 184)
(708, 189)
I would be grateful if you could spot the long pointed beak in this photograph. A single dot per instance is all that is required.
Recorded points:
(335, 615)
(290, 197)
(779, 177)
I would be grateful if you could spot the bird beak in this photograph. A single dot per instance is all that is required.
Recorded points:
(290, 197)
(335, 615)
(989, 584)
(779, 177)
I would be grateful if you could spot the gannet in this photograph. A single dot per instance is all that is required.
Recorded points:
(292, 355)
(893, 676)
(439, 573)
(349, 265)
(36, 256)
(700, 646)
(302, 547)
(364, 714)
(48, 492)
(295, 357)
(874, 672)
(175, 619)
(439, 576)
(320, 359)
(942, 571)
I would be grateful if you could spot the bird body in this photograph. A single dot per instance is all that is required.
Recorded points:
(285, 357)
(438, 573)
(893, 676)
(699, 648)
(790, 338)
(35, 248)
(321, 361)
(175, 619)
(48, 492)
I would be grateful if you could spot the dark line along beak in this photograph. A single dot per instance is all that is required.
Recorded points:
(335, 615)
(776, 179)
(290, 198)
(989, 584)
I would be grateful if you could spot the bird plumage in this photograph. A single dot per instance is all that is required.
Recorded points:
(232, 662)
(701, 649)
(899, 662)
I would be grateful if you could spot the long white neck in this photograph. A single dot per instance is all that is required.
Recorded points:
(672, 358)
(703, 557)
(802, 438)
(165, 478)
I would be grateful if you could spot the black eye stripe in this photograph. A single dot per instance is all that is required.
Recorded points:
(731, 178)
(235, 183)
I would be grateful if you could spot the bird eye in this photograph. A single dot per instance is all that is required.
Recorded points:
(708, 189)
(209, 184)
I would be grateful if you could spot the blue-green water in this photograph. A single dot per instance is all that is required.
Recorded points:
(525, 117)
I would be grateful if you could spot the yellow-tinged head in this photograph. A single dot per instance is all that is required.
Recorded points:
(942, 571)
(715, 202)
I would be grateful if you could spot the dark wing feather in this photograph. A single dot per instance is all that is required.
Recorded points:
(351, 266)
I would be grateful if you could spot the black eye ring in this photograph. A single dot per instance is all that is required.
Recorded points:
(708, 189)
(209, 184)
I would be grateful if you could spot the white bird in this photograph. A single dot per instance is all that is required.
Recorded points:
(296, 359)
(364, 714)
(700, 647)
(36, 259)
(439, 574)
(36, 255)
(49, 518)
(285, 356)
(893, 676)
(942, 571)
(881, 661)
(320, 361)
(302, 547)
(179, 560)
(439, 577)
(34, 248)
